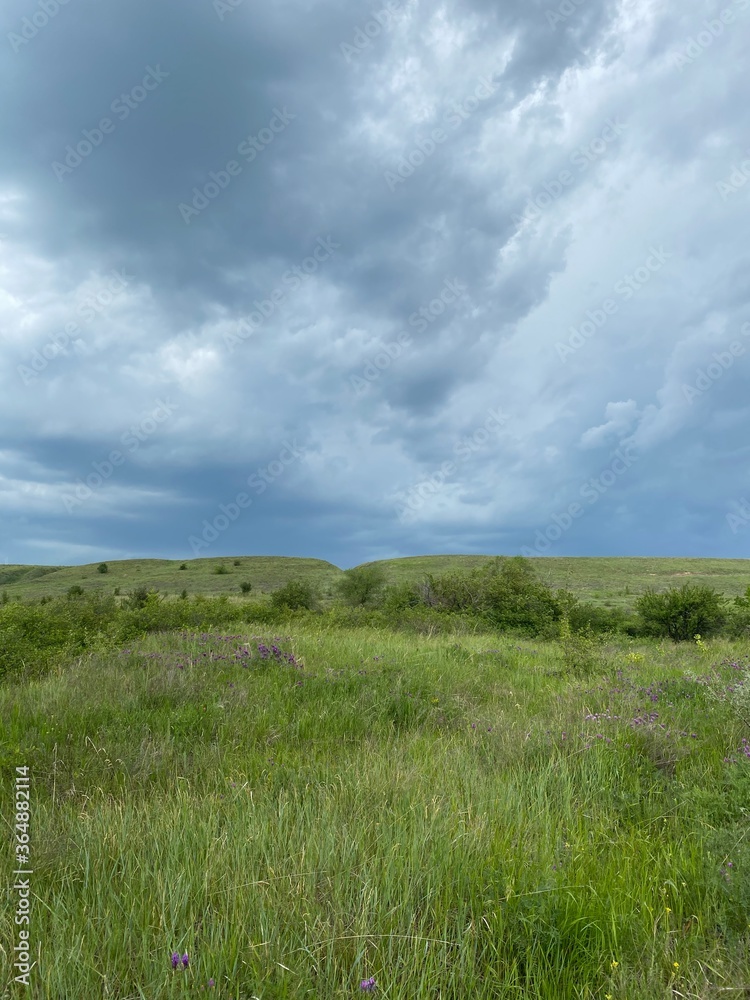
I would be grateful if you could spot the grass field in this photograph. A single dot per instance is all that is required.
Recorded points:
(613, 582)
(456, 817)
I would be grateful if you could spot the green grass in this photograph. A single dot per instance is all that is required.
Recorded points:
(604, 581)
(266, 573)
(598, 579)
(455, 816)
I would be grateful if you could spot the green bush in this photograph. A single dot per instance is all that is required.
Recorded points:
(681, 613)
(183, 566)
(140, 597)
(102, 568)
(580, 649)
(361, 585)
(246, 586)
(75, 591)
(36, 636)
(294, 595)
(738, 617)
(512, 597)
(221, 570)
(399, 597)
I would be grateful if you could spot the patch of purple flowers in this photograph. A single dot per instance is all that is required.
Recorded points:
(368, 985)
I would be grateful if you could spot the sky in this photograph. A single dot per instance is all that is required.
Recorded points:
(357, 281)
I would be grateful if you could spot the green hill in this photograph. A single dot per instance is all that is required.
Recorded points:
(603, 580)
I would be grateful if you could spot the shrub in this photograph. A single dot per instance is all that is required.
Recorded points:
(513, 598)
(102, 568)
(681, 613)
(140, 597)
(183, 595)
(294, 595)
(75, 591)
(236, 562)
(116, 591)
(183, 566)
(580, 649)
(221, 570)
(738, 617)
(400, 596)
(361, 585)
(246, 587)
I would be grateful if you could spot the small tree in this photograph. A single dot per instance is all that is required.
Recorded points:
(236, 563)
(102, 568)
(681, 613)
(361, 585)
(246, 587)
(221, 570)
(75, 591)
(295, 595)
(183, 566)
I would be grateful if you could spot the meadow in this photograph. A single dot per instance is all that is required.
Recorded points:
(326, 811)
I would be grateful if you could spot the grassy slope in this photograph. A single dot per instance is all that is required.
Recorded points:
(455, 820)
(604, 580)
(266, 573)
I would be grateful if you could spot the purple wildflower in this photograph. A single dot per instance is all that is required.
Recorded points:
(185, 960)
(368, 985)
(175, 959)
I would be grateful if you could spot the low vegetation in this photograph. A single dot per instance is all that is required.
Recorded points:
(467, 785)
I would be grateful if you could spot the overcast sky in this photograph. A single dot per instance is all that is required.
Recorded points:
(356, 281)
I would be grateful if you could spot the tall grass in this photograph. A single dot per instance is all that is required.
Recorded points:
(457, 816)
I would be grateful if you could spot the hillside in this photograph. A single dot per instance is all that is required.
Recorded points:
(604, 580)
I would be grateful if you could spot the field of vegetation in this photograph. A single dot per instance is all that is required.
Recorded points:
(456, 786)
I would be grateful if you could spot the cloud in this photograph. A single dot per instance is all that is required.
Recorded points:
(565, 159)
